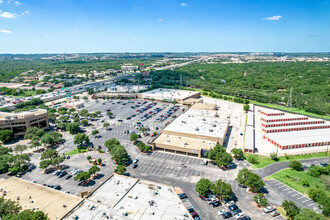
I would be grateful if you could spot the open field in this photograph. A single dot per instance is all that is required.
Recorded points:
(293, 178)
(264, 161)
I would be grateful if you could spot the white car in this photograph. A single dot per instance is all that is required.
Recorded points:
(240, 215)
(56, 172)
(221, 212)
(269, 209)
(230, 203)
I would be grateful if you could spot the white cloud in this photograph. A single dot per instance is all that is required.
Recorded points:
(8, 15)
(160, 20)
(183, 4)
(273, 18)
(25, 13)
(1, 1)
(6, 31)
(17, 3)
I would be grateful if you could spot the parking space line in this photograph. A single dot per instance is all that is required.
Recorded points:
(295, 195)
(310, 204)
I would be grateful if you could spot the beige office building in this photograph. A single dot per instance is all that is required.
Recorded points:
(20, 122)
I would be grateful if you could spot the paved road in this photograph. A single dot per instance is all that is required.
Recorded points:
(275, 167)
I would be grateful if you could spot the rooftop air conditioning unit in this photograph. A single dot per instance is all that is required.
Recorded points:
(203, 119)
(197, 129)
(168, 140)
(210, 130)
(214, 125)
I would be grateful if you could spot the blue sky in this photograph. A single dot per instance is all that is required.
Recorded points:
(69, 26)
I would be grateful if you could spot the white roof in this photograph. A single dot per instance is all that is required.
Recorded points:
(295, 121)
(160, 94)
(300, 137)
(286, 116)
(271, 111)
(296, 126)
(199, 125)
(207, 113)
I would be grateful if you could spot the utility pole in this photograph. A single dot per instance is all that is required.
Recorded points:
(289, 103)
(181, 80)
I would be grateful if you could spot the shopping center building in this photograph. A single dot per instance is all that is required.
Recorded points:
(193, 133)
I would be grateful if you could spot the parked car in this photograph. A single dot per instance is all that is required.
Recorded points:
(233, 207)
(216, 204)
(236, 211)
(240, 215)
(182, 196)
(269, 209)
(230, 203)
(194, 214)
(221, 212)
(135, 165)
(274, 213)
(227, 215)
(191, 209)
(135, 161)
(68, 176)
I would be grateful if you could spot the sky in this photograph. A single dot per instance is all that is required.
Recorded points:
(84, 26)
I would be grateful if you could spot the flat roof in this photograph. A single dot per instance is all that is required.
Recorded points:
(22, 115)
(160, 94)
(49, 200)
(199, 125)
(286, 116)
(204, 106)
(143, 200)
(295, 121)
(185, 142)
(271, 111)
(114, 189)
(300, 137)
(296, 126)
(207, 113)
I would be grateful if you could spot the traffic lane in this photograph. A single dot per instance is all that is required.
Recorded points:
(275, 167)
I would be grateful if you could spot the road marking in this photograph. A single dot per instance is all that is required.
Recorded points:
(295, 195)
(310, 204)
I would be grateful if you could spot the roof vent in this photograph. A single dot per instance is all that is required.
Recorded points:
(210, 130)
(197, 129)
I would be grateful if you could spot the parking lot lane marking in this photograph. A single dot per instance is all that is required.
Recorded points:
(310, 204)
(295, 195)
(305, 200)
(301, 197)
(181, 172)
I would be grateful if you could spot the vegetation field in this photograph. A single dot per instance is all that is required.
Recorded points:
(262, 82)
(77, 150)
(264, 161)
(293, 179)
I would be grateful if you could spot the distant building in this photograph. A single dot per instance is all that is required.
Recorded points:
(20, 122)
(129, 68)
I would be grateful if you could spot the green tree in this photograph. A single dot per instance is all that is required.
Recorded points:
(28, 215)
(222, 189)
(33, 132)
(51, 138)
(224, 159)
(305, 182)
(6, 135)
(254, 182)
(99, 161)
(120, 169)
(111, 143)
(49, 154)
(84, 122)
(109, 113)
(134, 137)
(106, 125)
(291, 209)
(296, 165)
(95, 132)
(273, 156)
(84, 113)
(56, 161)
(261, 200)
(253, 159)
(119, 154)
(83, 176)
(246, 108)
(8, 207)
(43, 164)
(216, 152)
(93, 170)
(80, 139)
(89, 157)
(242, 176)
(20, 148)
(308, 214)
(238, 153)
(85, 98)
(73, 127)
(204, 186)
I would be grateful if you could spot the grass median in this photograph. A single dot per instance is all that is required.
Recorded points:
(264, 161)
(77, 150)
(293, 179)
